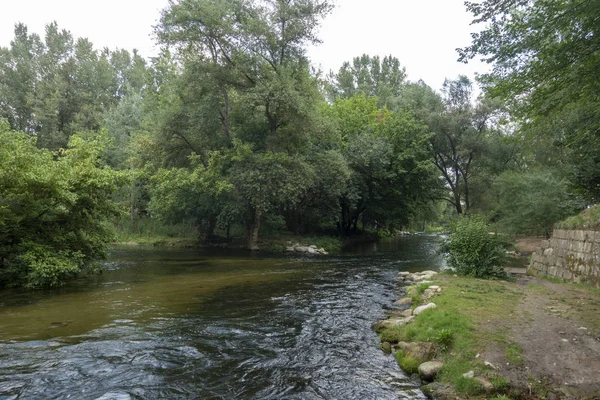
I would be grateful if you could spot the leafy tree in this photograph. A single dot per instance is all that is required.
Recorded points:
(53, 208)
(370, 76)
(533, 201)
(545, 65)
(466, 139)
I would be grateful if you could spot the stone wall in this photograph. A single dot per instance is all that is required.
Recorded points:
(571, 255)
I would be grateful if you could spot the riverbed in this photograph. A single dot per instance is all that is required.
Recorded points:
(213, 324)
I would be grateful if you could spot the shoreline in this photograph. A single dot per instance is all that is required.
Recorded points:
(471, 338)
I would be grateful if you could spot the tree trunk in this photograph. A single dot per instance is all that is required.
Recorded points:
(253, 228)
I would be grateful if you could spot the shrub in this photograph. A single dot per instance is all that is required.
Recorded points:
(474, 251)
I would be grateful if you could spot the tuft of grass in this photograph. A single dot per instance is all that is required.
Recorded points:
(501, 384)
(514, 354)
(408, 364)
(468, 386)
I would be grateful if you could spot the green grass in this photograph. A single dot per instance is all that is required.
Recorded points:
(464, 307)
(587, 219)
(514, 354)
(276, 244)
(468, 386)
(147, 231)
(408, 364)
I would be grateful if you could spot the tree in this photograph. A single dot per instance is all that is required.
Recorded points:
(53, 208)
(545, 65)
(371, 77)
(247, 99)
(533, 201)
(465, 135)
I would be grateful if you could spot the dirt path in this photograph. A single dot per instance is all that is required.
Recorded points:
(554, 337)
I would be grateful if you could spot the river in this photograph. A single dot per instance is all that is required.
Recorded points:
(212, 324)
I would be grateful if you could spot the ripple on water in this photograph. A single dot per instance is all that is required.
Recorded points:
(293, 328)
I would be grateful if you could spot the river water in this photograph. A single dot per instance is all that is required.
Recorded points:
(212, 324)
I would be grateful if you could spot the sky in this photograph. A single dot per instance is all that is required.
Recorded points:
(422, 34)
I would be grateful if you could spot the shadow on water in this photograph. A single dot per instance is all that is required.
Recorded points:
(212, 325)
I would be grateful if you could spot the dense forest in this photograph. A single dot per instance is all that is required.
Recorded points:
(232, 132)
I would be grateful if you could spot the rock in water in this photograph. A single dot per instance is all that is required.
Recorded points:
(405, 301)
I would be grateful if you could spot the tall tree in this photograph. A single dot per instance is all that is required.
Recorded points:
(545, 64)
(371, 76)
(258, 84)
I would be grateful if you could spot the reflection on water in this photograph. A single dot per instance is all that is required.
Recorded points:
(212, 325)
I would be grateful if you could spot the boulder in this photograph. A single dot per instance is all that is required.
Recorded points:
(388, 323)
(439, 391)
(428, 370)
(405, 301)
(400, 313)
(290, 249)
(429, 293)
(312, 250)
(420, 309)
(386, 346)
(420, 351)
(403, 273)
(301, 249)
(469, 374)
(312, 246)
(412, 292)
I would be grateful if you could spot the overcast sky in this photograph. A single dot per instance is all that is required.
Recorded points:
(422, 34)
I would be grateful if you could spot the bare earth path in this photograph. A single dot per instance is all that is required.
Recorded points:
(556, 328)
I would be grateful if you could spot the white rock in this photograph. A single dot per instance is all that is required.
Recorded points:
(469, 374)
(434, 287)
(420, 309)
(313, 246)
(312, 250)
(403, 273)
(490, 365)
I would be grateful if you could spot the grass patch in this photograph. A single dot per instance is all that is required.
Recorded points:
(278, 244)
(408, 364)
(460, 327)
(587, 219)
(501, 384)
(468, 386)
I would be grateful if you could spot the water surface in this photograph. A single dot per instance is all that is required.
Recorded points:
(212, 324)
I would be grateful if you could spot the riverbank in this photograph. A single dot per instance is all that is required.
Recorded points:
(269, 244)
(525, 339)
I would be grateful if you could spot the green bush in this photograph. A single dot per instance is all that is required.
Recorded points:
(474, 251)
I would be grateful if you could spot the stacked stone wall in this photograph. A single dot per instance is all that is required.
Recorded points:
(571, 255)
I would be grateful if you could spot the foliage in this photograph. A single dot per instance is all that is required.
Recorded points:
(533, 201)
(474, 251)
(55, 87)
(372, 77)
(545, 64)
(53, 208)
(587, 219)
